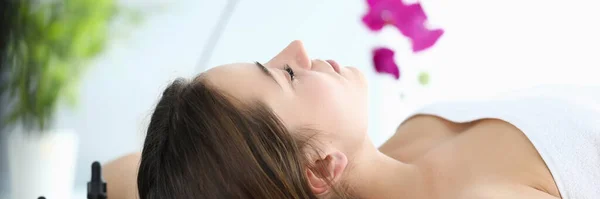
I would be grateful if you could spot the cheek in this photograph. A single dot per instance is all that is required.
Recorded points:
(330, 104)
(324, 93)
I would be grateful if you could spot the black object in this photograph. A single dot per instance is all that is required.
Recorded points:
(96, 188)
(42, 197)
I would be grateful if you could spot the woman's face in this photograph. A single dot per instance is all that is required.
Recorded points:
(311, 94)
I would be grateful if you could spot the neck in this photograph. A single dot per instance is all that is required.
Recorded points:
(380, 176)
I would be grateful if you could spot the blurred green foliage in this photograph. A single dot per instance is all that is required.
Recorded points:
(49, 46)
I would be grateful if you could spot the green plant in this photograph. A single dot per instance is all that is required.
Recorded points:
(48, 45)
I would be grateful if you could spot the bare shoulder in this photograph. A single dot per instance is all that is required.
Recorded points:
(121, 176)
(505, 191)
(416, 135)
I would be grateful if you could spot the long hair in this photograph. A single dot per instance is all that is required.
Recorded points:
(202, 143)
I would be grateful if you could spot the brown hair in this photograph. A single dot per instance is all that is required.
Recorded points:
(202, 143)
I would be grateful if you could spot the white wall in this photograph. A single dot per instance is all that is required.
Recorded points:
(496, 46)
(490, 46)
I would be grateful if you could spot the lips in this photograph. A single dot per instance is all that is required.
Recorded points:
(334, 65)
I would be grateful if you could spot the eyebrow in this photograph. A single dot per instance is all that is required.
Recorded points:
(266, 72)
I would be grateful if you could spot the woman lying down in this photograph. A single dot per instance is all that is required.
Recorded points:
(296, 128)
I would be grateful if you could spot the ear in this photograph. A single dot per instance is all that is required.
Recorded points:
(328, 169)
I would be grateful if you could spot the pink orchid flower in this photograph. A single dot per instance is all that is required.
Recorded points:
(383, 59)
(408, 19)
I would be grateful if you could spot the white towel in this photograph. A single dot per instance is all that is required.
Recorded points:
(562, 122)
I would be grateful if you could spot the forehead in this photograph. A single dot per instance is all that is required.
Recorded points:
(244, 81)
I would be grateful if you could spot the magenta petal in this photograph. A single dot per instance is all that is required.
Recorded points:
(410, 20)
(415, 11)
(374, 23)
(383, 59)
(408, 14)
(426, 39)
(372, 3)
(411, 23)
(381, 12)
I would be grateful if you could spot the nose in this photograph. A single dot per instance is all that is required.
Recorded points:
(294, 55)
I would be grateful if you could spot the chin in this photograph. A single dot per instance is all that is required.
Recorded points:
(356, 76)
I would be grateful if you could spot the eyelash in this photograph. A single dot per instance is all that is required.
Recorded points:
(290, 71)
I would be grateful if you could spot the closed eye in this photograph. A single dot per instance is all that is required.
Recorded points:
(290, 71)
